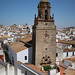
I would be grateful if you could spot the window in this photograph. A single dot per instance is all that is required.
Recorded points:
(73, 46)
(45, 48)
(73, 54)
(46, 13)
(25, 57)
(67, 54)
(56, 54)
(25, 72)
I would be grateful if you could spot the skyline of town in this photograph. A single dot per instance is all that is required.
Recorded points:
(39, 48)
(21, 12)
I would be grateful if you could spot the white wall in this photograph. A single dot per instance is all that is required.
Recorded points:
(18, 72)
(74, 32)
(53, 72)
(5, 41)
(64, 55)
(69, 54)
(10, 70)
(12, 55)
(73, 65)
(21, 55)
(2, 70)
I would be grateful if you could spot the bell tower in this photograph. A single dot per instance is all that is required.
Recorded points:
(44, 36)
(44, 10)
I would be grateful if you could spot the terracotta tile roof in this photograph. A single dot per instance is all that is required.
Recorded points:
(26, 38)
(61, 70)
(66, 30)
(35, 68)
(19, 62)
(20, 34)
(68, 50)
(71, 59)
(19, 46)
(70, 72)
(67, 42)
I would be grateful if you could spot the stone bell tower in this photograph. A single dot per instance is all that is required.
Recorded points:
(44, 36)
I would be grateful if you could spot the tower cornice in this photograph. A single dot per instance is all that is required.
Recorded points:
(44, 1)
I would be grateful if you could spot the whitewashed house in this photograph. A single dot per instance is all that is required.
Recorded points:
(25, 56)
(64, 53)
(23, 53)
(23, 50)
(13, 67)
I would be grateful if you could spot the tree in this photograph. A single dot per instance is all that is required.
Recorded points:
(46, 68)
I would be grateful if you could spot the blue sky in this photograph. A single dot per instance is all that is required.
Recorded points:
(23, 11)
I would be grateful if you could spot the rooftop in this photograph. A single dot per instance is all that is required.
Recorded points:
(35, 68)
(19, 46)
(61, 70)
(67, 42)
(26, 38)
(68, 50)
(70, 72)
(20, 34)
(71, 59)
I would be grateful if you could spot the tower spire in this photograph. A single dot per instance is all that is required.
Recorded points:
(44, 10)
(44, 0)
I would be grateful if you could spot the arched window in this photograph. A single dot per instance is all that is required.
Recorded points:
(46, 13)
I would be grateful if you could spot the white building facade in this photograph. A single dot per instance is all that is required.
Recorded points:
(25, 56)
